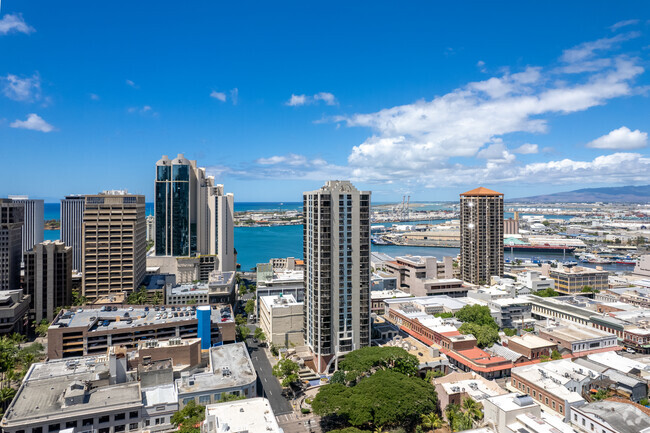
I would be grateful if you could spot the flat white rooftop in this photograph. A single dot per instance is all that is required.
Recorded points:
(252, 415)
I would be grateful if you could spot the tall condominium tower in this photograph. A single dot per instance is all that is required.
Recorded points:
(336, 244)
(34, 223)
(72, 217)
(48, 278)
(113, 243)
(192, 215)
(11, 244)
(481, 235)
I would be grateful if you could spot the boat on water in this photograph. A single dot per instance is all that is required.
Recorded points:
(539, 248)
(376, 240)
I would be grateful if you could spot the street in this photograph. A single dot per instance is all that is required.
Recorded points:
(267, 385)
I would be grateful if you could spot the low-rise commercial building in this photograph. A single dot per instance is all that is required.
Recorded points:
(557, 385)
(253, 415)
(281, 282)
(220, 289)
(281, 318)
(93, 330)
(578, 339)
(514, 313)
(230, 371)
(425, 276)
(531, 346)
(502, 410)
(611, 416)
(455, 387)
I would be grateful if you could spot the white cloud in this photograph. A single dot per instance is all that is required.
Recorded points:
(526, 149)
(130, 83)
(289, 166)
(33, 122)
(625, 23)
(94, 96)
(25, 89)
(218, 95)
(299, 100)
(589, 49)
(234, 96)
(14, 23)
(145, 110)
(622, 138)
(481, 66)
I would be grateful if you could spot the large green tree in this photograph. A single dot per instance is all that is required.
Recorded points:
(249, 308)
(286, 371)
(386, 398)
(189, 417)
(365, 361)
(485, 335)
(477, 314)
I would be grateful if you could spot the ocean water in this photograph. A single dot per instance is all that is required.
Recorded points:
(260, 244)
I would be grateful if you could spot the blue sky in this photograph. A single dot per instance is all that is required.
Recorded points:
(424, 98)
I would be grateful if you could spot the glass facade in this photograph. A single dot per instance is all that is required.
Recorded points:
(173, 235)
(162, 213)
(180, 216)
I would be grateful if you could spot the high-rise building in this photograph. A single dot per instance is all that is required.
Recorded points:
(481, 235)
(336, 244)
(193, 216)
(34, 222)
(72, 217)
(11, 245)
(113, 243)
(48, 278)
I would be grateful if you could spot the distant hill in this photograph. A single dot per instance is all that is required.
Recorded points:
(617, 194)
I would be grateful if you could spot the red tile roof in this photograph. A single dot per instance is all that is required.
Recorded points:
(481, 191)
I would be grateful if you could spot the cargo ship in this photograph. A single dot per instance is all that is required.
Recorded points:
(540, 248)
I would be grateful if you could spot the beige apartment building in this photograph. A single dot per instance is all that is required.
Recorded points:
(426, 276)
(113, 243)
(281, 319)
(48, 278)
(481, 235)
(572, 280)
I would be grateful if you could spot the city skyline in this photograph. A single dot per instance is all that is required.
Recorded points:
(430, 106)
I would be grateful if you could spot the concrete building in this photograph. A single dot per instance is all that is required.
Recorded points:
(531, 346)
(113, 243)
(151, 228)
(186, 269)
(611, 416)
(425, 276)
(556, 385)
(578, 339)
(455, 387)
(502, 410)
(253, 415)
(34, 222)
(11, 247)
(281, 319)
(14, 311)
(514, 313)
(193, 215)
(481, 232)
(48, 278)
(510, 227)
(72, 216)
(94, 330)
(336, 245)
(534, 280)
(230, 371)
(572, 280)
(281, 281)
(220, 289)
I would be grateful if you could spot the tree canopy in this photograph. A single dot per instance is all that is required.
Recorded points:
(189, 417)
(477, 314)
(485, 335)
(386, 398)
(287, 371)
(547, 293)
(369, 359)
(249, 308)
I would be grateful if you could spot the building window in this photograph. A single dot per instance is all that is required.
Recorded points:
(147, 423)
(103, 419)
(37, 430)
(561, 408)
(54, 427)
(186, 401)
(204, 399)
(71, 424)
(87, 421)
(133, 426)
(575, 417)
(553, 404)
(133, 414)
(120, 428)
(546, 400)
(104, 430)
(120, 416)
(217, 397)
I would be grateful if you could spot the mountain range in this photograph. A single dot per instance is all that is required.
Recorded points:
(617, 194)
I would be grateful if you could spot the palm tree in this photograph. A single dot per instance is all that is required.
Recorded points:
(472, 408)
(431, 421)
(6, 395)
